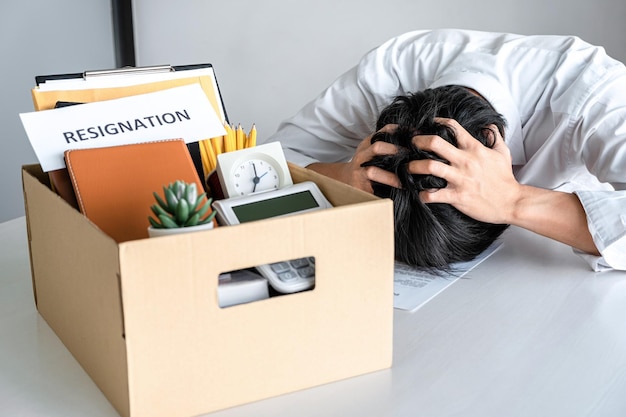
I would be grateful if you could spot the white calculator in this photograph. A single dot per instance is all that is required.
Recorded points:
(288, 276)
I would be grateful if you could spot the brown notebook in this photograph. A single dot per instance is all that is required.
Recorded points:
(114, 185)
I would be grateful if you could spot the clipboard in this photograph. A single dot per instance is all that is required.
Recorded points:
(89, 86)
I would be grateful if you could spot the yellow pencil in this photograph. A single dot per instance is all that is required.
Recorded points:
(229, 140)
(252, 137)
(239, 137)
(212, 158)
(218, 144)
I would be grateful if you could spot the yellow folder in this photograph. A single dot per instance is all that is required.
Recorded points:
(133, 81)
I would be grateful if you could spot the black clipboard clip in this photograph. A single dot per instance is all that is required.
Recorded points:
(153, 69)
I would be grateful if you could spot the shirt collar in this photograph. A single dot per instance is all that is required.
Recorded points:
(500, 99)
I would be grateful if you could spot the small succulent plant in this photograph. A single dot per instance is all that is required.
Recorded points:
(180, 207)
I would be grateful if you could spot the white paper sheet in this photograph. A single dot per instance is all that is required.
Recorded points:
(412, 288)
(180, 112)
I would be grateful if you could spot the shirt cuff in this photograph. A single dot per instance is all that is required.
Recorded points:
(298, 158)
(606, 219)
(597, 263)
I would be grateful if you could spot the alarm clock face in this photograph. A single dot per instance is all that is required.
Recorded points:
(255, 175)
(253, 170)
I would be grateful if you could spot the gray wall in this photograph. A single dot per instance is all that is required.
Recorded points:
(42, 37)
(270, 56)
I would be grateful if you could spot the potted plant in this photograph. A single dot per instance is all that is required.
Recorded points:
(180, 210)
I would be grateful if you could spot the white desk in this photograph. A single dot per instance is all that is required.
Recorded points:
(530, 332)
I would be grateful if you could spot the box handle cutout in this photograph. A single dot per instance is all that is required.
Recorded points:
(265, 281)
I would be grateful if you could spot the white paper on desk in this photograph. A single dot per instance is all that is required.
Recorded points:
(180, 112)
(412, 288)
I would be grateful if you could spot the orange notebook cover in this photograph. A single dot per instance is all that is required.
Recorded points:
(114, 185)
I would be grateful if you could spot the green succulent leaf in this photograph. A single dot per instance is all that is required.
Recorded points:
(204, 209)
(182, 211)
(197, 202)
(158, 210)
(209, 218)
(172, 200)
(168, 222)
(155, 223)
(179, 189)
(191, 193)
(160, 201)
(193, 220)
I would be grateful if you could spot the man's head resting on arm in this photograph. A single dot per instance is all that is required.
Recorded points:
(433, 235)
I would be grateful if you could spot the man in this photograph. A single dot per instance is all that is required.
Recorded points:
(564, 102)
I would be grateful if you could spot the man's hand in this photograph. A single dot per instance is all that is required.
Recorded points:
(354, 174)
(481, 185)
(480, 179)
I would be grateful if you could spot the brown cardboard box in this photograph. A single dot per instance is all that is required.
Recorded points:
(142, 317)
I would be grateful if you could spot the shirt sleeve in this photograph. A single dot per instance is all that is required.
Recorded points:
(606, 217)
(329, 128)
(602, 147)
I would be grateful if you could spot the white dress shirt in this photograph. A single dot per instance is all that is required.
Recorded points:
(564, 101)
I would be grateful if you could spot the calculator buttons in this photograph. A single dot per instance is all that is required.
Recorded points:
(280, 267)
(290, 276)
(287, 275)
(299, 263)
(306, 272)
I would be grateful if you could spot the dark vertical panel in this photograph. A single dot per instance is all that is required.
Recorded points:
(123, 32)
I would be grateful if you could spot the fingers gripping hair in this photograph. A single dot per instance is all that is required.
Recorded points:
(433, 235)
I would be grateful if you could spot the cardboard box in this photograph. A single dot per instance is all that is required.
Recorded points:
(142, 317)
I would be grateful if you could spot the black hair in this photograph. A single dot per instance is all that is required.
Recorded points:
(433, 235)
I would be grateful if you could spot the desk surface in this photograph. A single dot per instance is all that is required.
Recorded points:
(529, 332)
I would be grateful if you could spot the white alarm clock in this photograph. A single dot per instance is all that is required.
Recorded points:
(253, 170)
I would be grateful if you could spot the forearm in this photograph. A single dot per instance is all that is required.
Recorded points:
(332, 170)
(557, 215)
